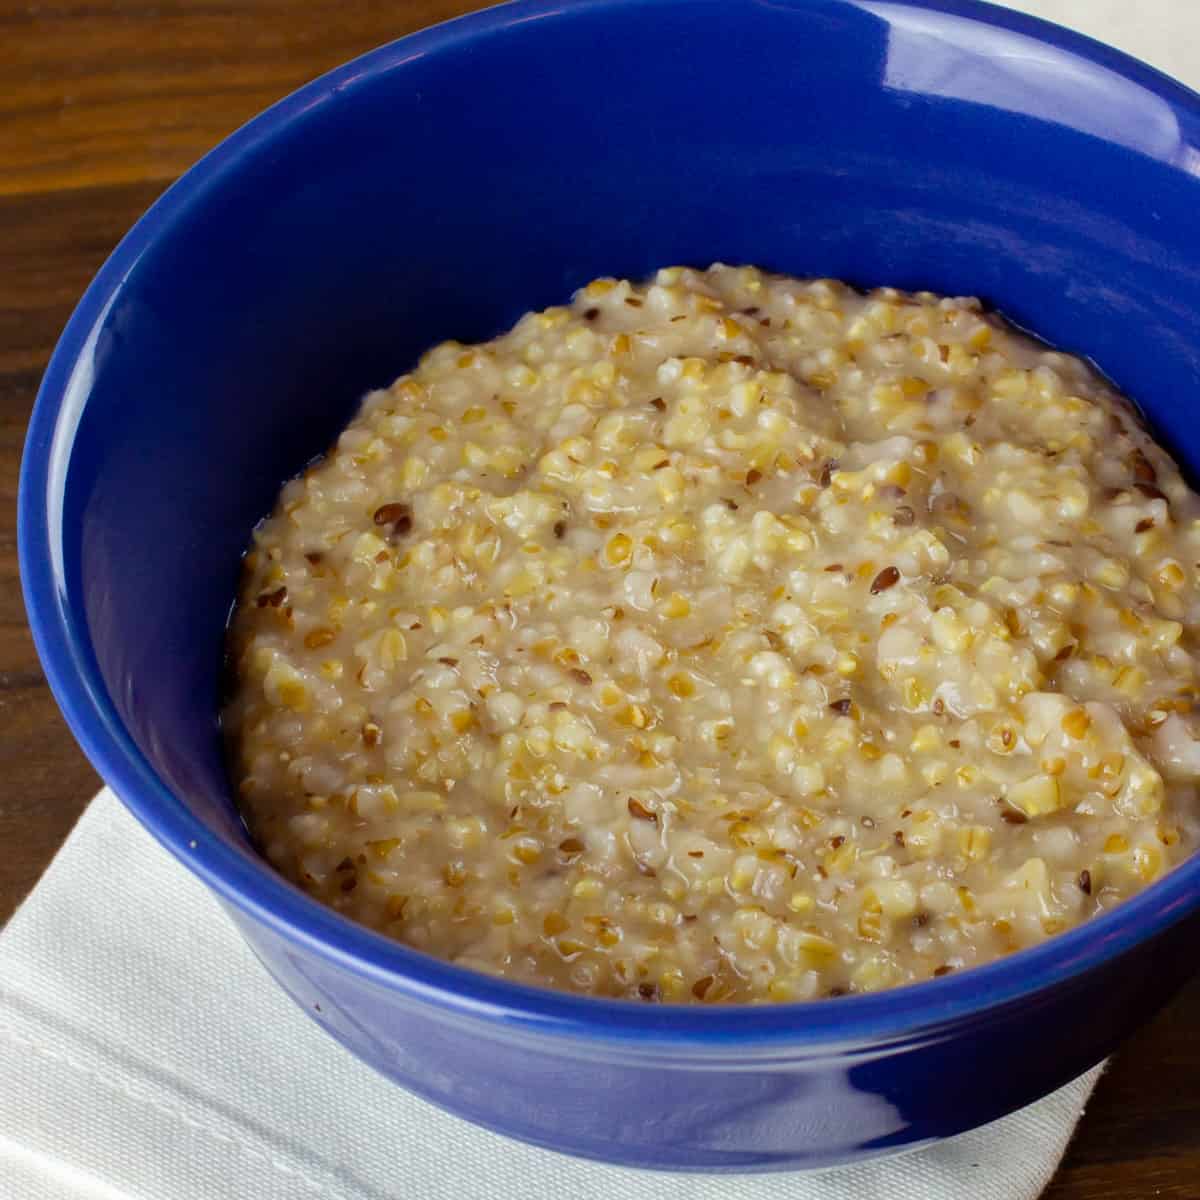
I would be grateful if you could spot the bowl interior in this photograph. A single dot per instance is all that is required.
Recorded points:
(444, 185)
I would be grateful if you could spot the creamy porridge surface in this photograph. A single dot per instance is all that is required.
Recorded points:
(729, 637)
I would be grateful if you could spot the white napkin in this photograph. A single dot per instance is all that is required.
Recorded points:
(145, 1053)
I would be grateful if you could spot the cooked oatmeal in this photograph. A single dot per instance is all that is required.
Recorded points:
(729, 637)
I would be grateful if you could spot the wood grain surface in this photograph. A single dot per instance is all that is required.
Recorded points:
(102, 104)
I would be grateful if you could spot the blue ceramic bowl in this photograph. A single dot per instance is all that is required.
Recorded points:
(440, 187)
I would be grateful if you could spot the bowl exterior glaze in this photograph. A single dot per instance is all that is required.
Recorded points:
(441, 186)
(656, 1103)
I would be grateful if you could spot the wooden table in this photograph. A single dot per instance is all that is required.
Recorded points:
(103, 103)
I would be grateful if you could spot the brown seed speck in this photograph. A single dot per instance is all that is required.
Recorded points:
(649, 991)
(1014, 816)
(955, 743)
(938, 707)
(581, 676)
(921, 919)
(640, 811)
(272, 599)
(659, 403)
(837, 842)
(571, 847)
(314, 556)
(842, 706)
(695, 854)
(886, 578)
(448, 662)
(867, 822)
(1065, 652)
(898, 838)
(904, 515)
(1144, 524)
(836, 993)
(834, 567)
(590, 314)
(752, 311)
(828, 469)
(1143, 468)
(633, 302)
(1085, 882)
(944, 969)
(560, 528)
(753, 476)
(396, 515)
(701, 986)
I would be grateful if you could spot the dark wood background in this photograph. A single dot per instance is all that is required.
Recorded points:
(102, 104)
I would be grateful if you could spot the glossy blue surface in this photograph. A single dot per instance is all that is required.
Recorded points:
(443, 185)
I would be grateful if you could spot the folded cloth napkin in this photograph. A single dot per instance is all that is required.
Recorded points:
(144, 1053)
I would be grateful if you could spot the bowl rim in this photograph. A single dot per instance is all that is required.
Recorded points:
(249, 885)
